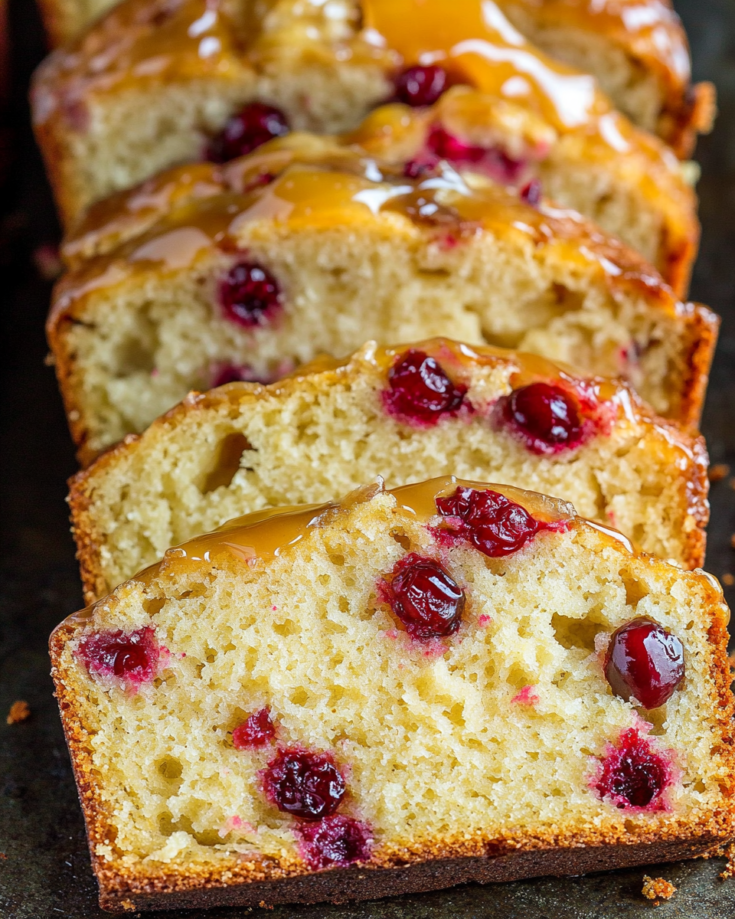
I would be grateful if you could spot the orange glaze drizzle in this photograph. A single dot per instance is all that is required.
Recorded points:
(647, 29)
(473, 40)
(266, 534)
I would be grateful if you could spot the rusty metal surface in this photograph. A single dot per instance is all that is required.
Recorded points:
(44, 868)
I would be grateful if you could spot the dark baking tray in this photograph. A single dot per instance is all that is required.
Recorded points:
(44, 868)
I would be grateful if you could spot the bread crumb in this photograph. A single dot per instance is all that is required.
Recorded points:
(718, 471)
(19, 711)
(128, 905)
(657, 889)
(47, 260)
(728, 579)
(728, 852)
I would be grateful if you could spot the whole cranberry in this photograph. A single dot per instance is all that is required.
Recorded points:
(545, 416)
(490, 521)
(633, 773)
(303, 783)
(644, 662)
(419, 86)
(250, 295)
(254, 125)
(335, 842)
(257, 731)
(420, 391)
(129, 656)
(425, 597)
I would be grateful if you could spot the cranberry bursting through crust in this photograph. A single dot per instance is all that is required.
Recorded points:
(419, 390)
(492, 523)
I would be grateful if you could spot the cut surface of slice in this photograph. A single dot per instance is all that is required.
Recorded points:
(407, 414)
(228, 747)
(155, 82)
(306, 247)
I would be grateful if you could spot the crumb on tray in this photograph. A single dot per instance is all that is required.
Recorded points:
(19, 711)
(657, 889)
(718, 471)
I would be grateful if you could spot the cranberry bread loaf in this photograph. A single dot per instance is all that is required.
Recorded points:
(410, 413)
(304, 248)
(156, 81)
(541, 700)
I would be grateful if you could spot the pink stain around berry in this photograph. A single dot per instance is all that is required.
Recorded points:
(633, 774)
(257, 731)
(644, 663)
(334, 842)
(484, 620)
(130, 657)
(487, 520)
(250, 296)
(420, 392)
(303, 783)
(490, 161)
(545, 417)
(424, 597)
(254, 125)
(421, 86)
(526, 696)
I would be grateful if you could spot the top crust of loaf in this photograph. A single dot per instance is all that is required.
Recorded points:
(275, 538)
(687, 453)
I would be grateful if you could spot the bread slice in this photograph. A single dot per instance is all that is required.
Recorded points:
(623, 179)
(243, 447)
(155, 80)
(330, 253)
(637, 51)
(368, 698)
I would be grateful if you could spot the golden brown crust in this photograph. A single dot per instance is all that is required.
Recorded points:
(687, 115)
(89, 541)
(420, 866)
(700, 350)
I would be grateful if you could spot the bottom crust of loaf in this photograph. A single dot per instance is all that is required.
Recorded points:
(339, 885)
